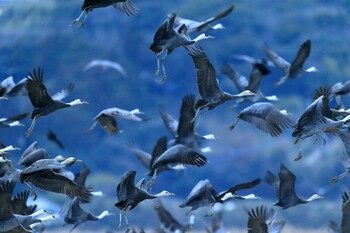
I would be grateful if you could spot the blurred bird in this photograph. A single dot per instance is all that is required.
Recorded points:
(196, 26)
(8, 88)
(12, 120)
(345, 221)
(76, 215)
(52, 137)
(266, 117)
(344, 135)
(166, 39)
(262, 221)
(129, 195)
(106, 64)
(169, 222)
(295, 69)
(284, 187)
(106, 118)
(32, 154)
(42, 102)
(259, 70)
(124, 6)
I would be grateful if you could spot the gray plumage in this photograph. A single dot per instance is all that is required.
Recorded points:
(295, 69)
(200, 26)
(260, 220)
(266, 117)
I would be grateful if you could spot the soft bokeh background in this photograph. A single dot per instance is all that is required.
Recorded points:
(36, 33)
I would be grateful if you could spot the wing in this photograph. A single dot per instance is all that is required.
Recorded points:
(345, 222)
(187, 113)
(126, 7)
(302, 55)
(237, 187)
(37, 92)
(80, 178)
(19, 204)
(50, 181)
(219, 16)
(166, 218)
(277, 60)
(6, 189)
(169, 122)
(64, 92)
(126, 185)
(109, 124)
(287, 185)
(239, 80)
(207, 83)
(160, 147)
(179, 154)
(257, 220)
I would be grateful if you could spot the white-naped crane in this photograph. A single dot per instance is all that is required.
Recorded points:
(294, 69)
(12, 121)
(166, 39)
(207, 83)
(124, 6)
(76, 215)
(315, 120)
(201, 26)
(45, 174)
(284, 186)
(42, 102)
(130, 195)
(266, 117)
(260, 220)
(107, 119)
(204, 194)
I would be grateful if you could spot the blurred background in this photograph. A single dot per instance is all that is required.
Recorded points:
(36, 33)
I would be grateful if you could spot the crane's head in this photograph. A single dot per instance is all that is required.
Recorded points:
(164, 193)
(77, 102)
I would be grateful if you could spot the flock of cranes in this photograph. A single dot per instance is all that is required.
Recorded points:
(40, 171)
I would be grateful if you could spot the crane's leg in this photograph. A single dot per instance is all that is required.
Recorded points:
(163, 68)
(81, 25)
(92, 127)
(299, 155)
(29, 131)
(75, 225)
(77, 19)
(152, 181)
(341, 176)
(120, 220)
(231, 127)
(158, 66)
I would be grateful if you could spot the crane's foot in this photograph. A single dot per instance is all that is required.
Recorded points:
(151, 183)
(35, 196)
(299, 156)
(162, 80)
(28, 133)
(81, 25)
(157, 72)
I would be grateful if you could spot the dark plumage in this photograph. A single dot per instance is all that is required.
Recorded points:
(53, 138)
(285, 190)
(166, 39)
(42, 102)
(124, 6)
(129, 195)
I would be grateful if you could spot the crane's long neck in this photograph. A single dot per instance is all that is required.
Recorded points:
(312, 198)
(201, 37)
(103, 214)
